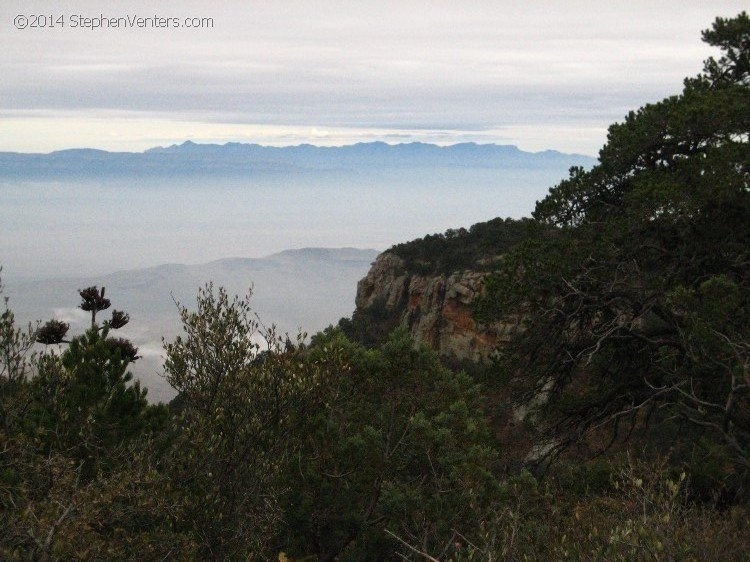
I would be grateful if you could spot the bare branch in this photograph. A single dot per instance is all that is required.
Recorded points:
(411, 548)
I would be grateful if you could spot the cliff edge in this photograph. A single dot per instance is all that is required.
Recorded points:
(436, 308)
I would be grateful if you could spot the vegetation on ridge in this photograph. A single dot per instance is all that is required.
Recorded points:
(477, 248)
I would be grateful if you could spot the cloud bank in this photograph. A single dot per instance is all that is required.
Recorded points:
(542, 75)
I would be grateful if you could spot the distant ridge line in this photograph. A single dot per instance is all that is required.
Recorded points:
(240, 159)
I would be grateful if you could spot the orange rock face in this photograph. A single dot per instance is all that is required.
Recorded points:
(436, 309)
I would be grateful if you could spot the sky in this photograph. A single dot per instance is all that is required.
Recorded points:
(538, 74)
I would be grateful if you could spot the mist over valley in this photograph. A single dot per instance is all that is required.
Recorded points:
(158, 225)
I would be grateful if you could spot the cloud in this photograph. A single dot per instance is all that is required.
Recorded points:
(76, 317)
(365, 65)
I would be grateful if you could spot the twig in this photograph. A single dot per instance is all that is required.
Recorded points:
(413, 549)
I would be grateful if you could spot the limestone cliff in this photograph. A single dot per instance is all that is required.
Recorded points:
(436, 308)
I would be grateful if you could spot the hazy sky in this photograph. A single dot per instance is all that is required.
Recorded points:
(539, 74)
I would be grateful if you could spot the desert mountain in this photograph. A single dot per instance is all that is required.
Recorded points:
(231, 159)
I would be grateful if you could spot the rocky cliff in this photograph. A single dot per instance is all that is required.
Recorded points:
(436, 308)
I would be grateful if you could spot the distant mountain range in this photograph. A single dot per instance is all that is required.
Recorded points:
(232, 159)
(305, 289)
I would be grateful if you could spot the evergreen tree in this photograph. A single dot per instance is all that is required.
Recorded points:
(87, 399)
(638, 298)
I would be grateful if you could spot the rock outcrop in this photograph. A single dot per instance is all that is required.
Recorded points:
(437, 309)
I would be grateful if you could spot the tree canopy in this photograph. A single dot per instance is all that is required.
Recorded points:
(638, 299)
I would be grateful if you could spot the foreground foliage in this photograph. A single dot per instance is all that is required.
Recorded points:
(330, 451)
